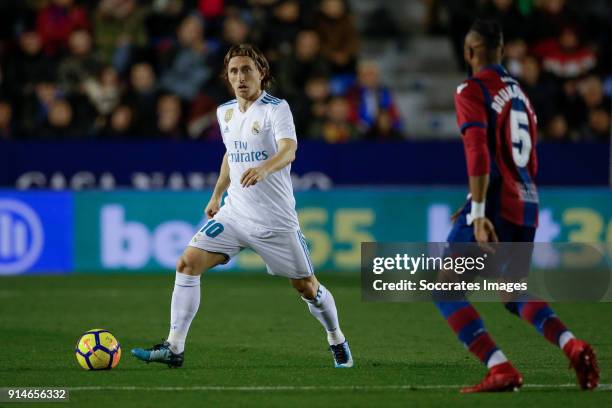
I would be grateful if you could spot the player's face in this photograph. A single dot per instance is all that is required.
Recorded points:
(244, 77)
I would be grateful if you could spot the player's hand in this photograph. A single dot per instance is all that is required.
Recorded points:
(253, 176)
(484, 232)
(212, 207)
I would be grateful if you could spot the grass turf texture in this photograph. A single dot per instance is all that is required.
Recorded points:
(254, 331)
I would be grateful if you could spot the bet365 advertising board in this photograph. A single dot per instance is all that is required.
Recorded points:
(141, 232)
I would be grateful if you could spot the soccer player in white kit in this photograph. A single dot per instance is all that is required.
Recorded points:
(258, 213)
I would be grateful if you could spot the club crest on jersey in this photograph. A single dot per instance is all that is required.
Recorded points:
(256, 128)
(228, 114)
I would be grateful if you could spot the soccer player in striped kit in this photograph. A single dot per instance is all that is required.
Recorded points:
(499, 128)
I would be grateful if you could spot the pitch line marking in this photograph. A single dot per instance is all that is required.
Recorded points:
(601, 387)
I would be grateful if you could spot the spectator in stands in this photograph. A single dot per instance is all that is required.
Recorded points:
(598, 126)
(235, 31)
(59, 121)
(592, 93)
(293, 71)
(508, 15)
(28, 67)
(548, 20)
(596, 109)
(141, 97)
(565, 57)
(142, 38)
(214, 13)
(161, 23)
(337, 126)
(103, 92)
(186, 69)
(202, 119)
(369, 99)
(572, 104)
(557, 129)
(57, 21)
(36, 106)
(281, 29)
(79, 64)
(515, 51)
(580, 97)
(310, 107)
(118, 29)
(169, 117)
(339, 37)
(541, 91)
(6, 120)
(120, 124)
(211, 9)
(383, 129)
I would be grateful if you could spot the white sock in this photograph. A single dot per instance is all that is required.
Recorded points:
(498, 357)
(564, 338)
(185, 303)
(323, 308)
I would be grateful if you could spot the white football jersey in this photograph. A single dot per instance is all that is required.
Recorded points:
(250, 139)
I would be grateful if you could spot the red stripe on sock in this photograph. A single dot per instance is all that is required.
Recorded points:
(482, 346)
(460, 318)
(553, 327)
(531, 308)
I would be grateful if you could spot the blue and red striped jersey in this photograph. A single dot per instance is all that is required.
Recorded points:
(494, 101)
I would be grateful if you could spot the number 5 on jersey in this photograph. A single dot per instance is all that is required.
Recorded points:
(521, 140)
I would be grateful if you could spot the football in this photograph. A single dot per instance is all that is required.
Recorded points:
(98, 349)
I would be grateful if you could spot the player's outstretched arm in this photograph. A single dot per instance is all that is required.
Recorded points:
(223, 183)
(284, 156)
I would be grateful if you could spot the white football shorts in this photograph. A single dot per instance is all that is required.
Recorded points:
(284, 253)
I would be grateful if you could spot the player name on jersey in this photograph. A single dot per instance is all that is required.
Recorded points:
(505, 95)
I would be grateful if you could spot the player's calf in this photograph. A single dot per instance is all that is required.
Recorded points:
(322, 306)
(306, 287)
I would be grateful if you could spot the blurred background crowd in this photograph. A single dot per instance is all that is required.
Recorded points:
(350, 70)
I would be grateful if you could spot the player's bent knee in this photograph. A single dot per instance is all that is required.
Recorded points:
(180, 264)
(196, 261)
(186, 265)
(307, 287)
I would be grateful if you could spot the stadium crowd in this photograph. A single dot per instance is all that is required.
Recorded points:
(560, 50)
(113, 69)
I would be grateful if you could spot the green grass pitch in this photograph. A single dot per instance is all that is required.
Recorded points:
(254, 343)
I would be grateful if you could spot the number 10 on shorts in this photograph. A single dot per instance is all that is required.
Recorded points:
(212, 228)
